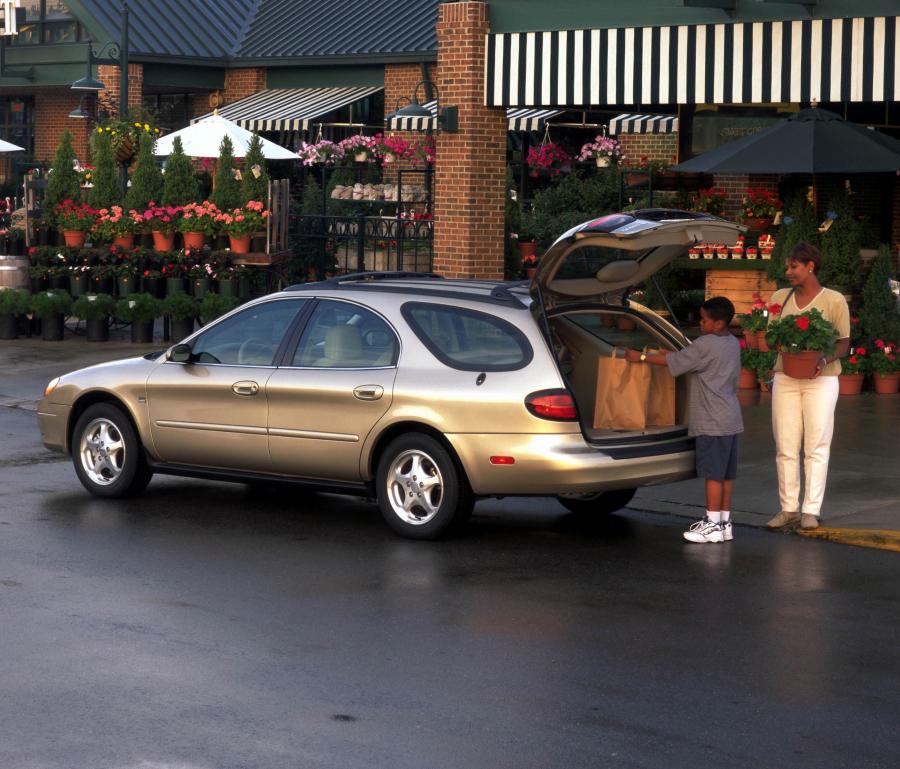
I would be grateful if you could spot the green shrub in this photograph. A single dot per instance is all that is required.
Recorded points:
(14, 301)
(840, 244)
(63, 182)
(879, 317)
(147, 180)
(93, 306)
(180, 306)
(255, 187)
(180, 186)
(214, 305)
(226, 192)
(138, 307)
(105, 193)
(50, 303)
(798, 225)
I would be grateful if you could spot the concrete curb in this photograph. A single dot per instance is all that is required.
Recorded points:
(880, 539)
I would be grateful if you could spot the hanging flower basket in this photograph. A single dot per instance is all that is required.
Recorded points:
(125, 150)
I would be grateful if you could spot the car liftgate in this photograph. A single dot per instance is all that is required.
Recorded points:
(372, 227)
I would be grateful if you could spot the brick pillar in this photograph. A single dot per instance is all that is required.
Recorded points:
(470, 174)
(109, 76)
(243, 82)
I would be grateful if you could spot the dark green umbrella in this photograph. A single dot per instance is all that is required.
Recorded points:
(814, 141)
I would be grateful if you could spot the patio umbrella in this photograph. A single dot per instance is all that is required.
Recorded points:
(202, 140)
(7, 147)
(814, 141)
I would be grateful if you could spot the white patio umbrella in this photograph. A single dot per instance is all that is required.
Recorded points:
(202, 140)
(7, 147)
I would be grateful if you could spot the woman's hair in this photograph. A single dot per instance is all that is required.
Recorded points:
(805, 253)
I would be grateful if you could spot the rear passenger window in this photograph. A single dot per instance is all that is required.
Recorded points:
(467, 339)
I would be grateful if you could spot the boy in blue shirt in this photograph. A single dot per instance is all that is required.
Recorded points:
(714, 413)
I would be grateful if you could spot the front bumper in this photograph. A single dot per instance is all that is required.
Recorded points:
(53, 418)
(564, 464)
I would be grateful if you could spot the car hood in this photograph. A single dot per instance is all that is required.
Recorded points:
(603, 257)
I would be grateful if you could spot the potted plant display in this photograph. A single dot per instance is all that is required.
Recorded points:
(140, 310)
(173, 271)
(710, 201)
(359, 147)
(241, 223)
(200, 277)
(885, 367)
(758, 209)
(754, 322)
(324, 152)
(116, 225)
(162, 221)
(198, 221)
(548, 159)
(853, 370)
(75, 221)
(749, 363)
(604, 151)
(95, 310)
(214, 305)
(13, 303)
(52, 307)
(182, 310)
(802, 341)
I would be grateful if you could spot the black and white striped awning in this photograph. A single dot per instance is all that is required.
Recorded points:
(643, 124)
(821, 60)
(518, 119)
(290, 109)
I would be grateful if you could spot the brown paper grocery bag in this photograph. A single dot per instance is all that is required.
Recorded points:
(621, 397)
(661, 398)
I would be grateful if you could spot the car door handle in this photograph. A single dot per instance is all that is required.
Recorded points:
(368, 392)
(245, 388)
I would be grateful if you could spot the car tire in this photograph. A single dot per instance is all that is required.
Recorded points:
(600, 503)
(107, 454)
(422, 493)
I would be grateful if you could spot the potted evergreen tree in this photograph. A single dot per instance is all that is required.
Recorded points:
(95, 310)
(181, 309)
(879, 317)
(105, 193)
(147, 180)
(13, 303)
(841, 262)
(180, 186)
(140, 310)
(63, 183)
(226, 190)
(255, 183)
(52, 307)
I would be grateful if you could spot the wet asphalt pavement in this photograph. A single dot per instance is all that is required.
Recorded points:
(207, 626)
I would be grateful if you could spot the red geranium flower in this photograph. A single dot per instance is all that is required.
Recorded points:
(802, 322)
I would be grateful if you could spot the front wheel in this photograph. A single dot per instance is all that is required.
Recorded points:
(601, 503)
(107, 454)
(421, 492)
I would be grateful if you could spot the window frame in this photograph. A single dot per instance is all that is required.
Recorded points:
(408, 308)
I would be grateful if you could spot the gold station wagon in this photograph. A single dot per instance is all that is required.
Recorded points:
(423, 393)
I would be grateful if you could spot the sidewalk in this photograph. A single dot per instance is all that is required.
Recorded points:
(862, 502)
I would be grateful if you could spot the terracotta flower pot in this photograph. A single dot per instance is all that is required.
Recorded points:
(761, 343)
(124, 241)
(74, 238)
(240, 244)
(527, 248)
(886, 384)
(751, 339)
(800, 365)
(163, 241)
(530, 272)
(194, 239)
(850, 384)
(747, 380)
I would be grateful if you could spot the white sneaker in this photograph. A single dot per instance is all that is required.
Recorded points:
(705, 531)
(726, 531)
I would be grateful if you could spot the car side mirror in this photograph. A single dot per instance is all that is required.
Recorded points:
(181, 353)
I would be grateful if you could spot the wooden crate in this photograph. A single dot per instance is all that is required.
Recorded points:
(739, 286)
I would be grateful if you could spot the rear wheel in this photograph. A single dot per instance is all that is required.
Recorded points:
(600, 503)
(108, 457)
(421, 492)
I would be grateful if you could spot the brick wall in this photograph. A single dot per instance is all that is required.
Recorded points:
(399, 81)
(51, 118)
(736, 186)
(243, 82)
(109, 76)
(655, 146)
(471, 164)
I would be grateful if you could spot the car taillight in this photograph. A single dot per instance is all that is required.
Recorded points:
(552, 404)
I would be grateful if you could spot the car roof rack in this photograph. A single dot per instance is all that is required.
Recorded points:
(358, 277)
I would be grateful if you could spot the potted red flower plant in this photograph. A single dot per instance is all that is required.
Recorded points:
(853, 370)
(162, 221)
(802, 340)
(758, 209)
(75, 221)
(886, 367)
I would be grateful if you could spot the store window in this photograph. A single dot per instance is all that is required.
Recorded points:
(47, 21)
(168, 110)
(706, 126)
(17, 121)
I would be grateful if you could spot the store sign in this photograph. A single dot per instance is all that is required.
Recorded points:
(13, 17)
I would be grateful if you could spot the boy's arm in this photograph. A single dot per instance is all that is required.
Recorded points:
(656, 357)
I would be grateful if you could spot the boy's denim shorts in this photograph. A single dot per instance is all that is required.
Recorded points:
(717, 457)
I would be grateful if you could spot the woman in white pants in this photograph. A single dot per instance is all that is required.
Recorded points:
(803, 409)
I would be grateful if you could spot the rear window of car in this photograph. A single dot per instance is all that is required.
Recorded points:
(586, 261)
(467, 339)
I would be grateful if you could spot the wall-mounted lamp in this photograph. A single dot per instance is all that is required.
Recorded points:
(80, 112)
(446, 118)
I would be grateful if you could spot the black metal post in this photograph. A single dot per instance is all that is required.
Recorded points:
(123, 88)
